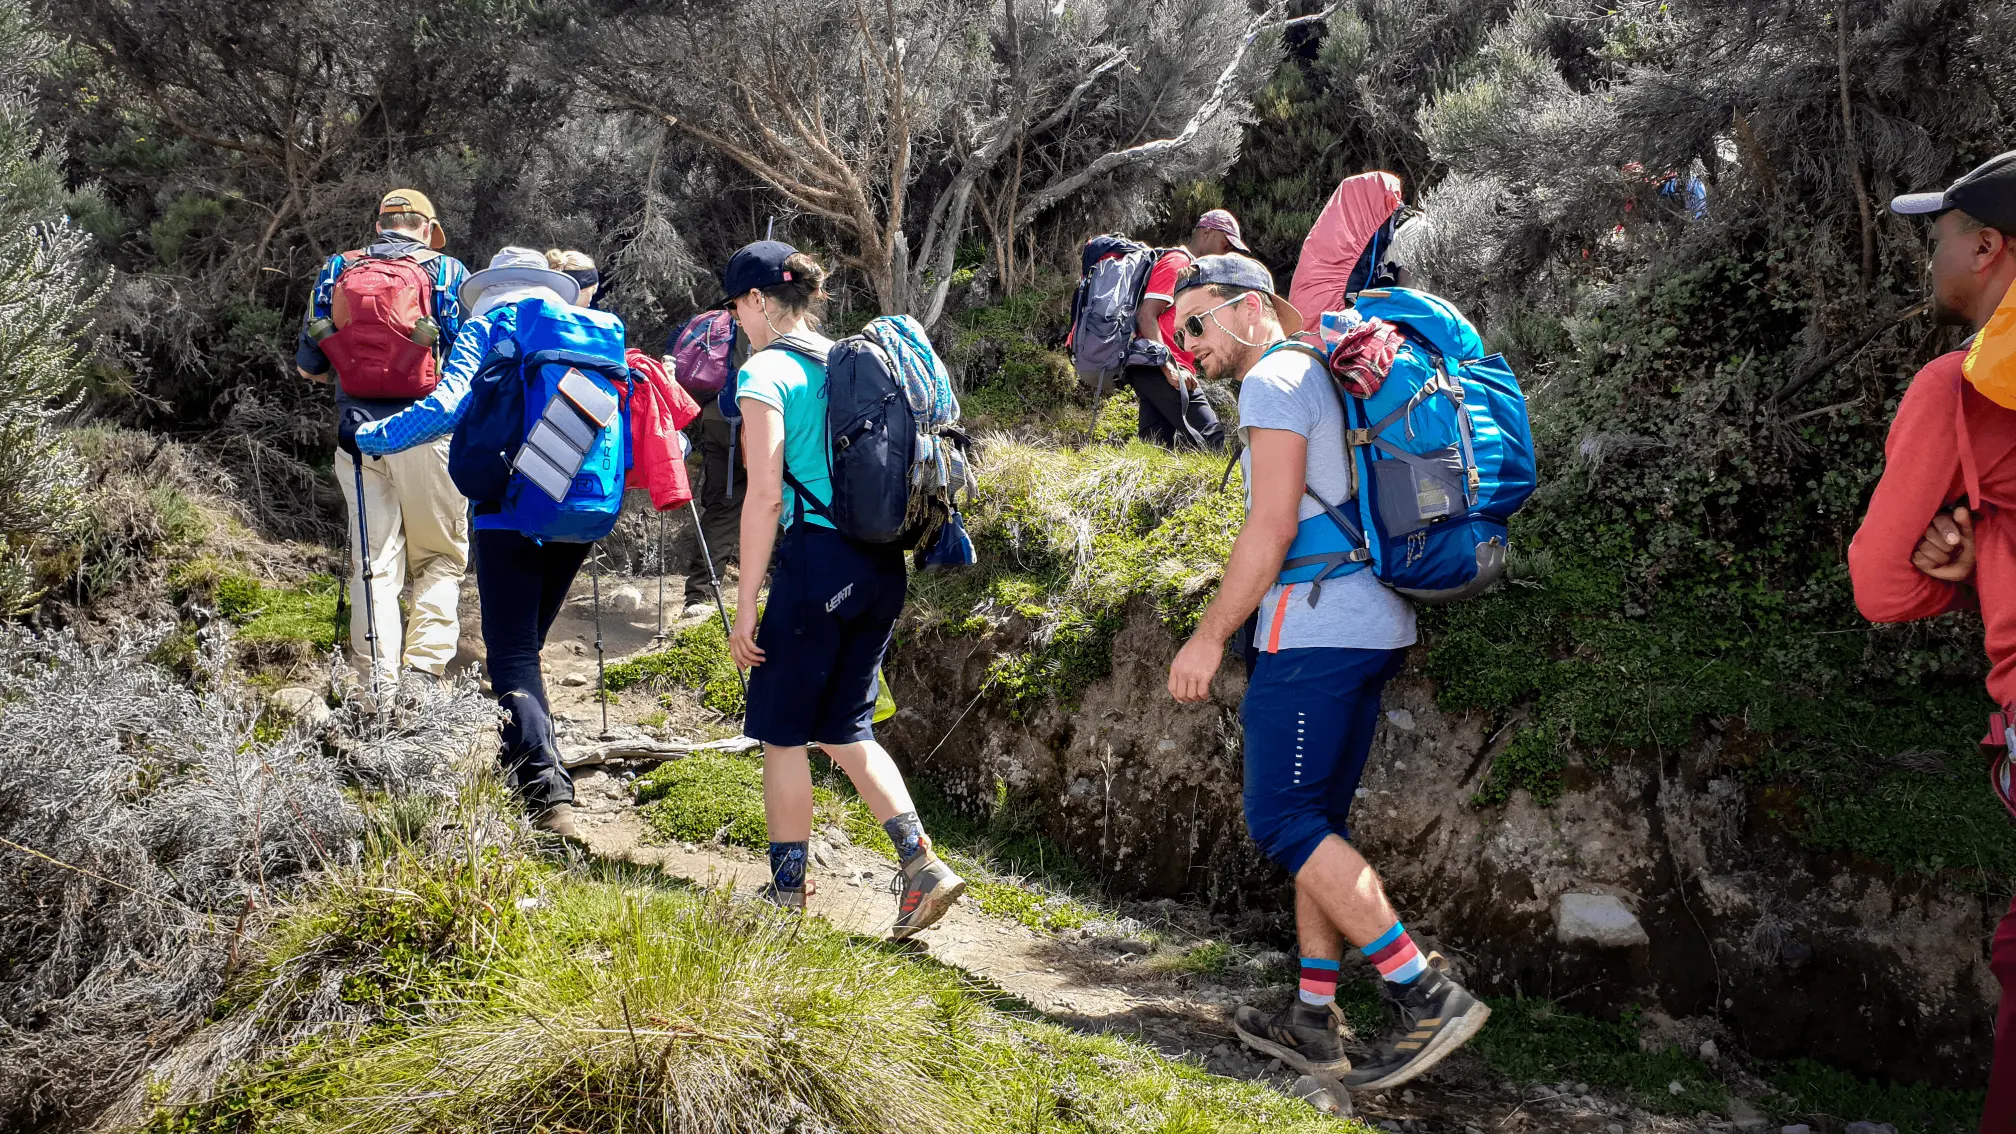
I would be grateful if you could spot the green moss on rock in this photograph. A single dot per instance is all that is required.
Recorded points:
(697, 659)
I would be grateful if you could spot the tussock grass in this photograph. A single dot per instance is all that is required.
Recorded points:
(697, 658)
(495, 992)
(1068, 537)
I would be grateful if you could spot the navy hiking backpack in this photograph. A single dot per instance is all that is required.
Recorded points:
(1441, 454)
(1114, 274)
(893, 445)
(545, 442)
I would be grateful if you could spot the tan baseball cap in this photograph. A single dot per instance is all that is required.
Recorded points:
(414, 201)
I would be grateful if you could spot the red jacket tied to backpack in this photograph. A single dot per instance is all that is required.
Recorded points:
(383, 346)
(659, 409)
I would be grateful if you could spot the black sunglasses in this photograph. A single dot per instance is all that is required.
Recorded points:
(1193, 327)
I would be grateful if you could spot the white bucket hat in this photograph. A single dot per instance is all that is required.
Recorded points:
(514, 267)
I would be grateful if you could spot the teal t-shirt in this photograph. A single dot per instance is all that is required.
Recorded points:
(795, 386)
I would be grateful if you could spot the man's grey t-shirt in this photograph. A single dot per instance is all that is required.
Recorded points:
(1289, 390)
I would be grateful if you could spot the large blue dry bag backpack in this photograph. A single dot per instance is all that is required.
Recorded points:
(1442, 456)
(510, 394)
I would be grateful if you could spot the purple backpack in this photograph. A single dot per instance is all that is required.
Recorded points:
(700, 352)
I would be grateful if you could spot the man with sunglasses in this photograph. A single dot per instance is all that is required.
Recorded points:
(1173, 409)
(1320, 657)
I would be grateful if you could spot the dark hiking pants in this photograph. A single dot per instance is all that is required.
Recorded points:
(521, 584)
(1172, 417)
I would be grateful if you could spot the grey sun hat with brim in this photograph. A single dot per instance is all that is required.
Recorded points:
(1246, 273)
(1987, 193)
(515, 267)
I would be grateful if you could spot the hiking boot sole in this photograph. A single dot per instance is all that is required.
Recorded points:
(1454, 1035)
(934, 906)
(1293, 1058)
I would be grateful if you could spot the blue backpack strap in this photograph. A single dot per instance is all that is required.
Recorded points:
(1333, 562)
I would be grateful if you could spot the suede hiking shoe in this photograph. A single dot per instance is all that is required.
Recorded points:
(925, 888)
(557, 820)
(1304, 1036)
(1437, 1016)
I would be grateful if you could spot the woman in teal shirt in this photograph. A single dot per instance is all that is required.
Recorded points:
(832, 602)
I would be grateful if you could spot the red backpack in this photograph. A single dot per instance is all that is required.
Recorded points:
(383, 346)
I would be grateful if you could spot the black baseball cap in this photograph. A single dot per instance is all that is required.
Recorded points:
(757, 265)
(1987, 193)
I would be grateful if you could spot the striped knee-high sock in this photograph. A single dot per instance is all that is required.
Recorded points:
(1319, 981)
(1396, 956)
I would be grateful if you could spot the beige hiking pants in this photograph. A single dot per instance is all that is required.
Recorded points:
(419, 526)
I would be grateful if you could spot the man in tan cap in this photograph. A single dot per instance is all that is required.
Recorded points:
(382, 317)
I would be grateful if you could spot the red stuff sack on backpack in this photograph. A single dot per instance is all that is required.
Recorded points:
(659, 409)
(383, 346)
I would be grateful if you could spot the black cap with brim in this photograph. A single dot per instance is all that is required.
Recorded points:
(1987, 193)
(755, 266)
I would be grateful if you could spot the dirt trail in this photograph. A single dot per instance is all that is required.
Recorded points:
(1095, 981)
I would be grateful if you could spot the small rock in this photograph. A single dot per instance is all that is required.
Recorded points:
(1708, 1051)
(302, 704)
(1674, 1088)
(1613, 1128)
(574, 680)
(1869, 1128)
(1165, 745)
(1743, 1115)
(820, 855)
(1319, 1096)
(1266, 960)
(1597, 919)
(1797, 1128)
(1400, 719)
(624, 600)
(1581, 1088)
(1135, 946)
(1407, 1097)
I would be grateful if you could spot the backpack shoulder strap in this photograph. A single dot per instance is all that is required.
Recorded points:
(1970, 464)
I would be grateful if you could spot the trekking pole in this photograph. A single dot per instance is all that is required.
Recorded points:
(715, 581)
(364, 573)
(659, 637)
(601, 681)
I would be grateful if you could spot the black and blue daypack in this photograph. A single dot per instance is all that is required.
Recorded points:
(515, 391)
(1441, 456)
(1114, 274)
(893, 446)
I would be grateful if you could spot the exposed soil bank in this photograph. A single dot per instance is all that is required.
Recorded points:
(1805, 955)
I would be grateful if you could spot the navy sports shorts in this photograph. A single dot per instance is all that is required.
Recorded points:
(1309, 715)
(832, 606)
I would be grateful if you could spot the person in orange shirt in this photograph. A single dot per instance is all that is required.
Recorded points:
(1934, 538)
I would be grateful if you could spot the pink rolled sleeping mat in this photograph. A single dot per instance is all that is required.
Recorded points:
(1355, 211)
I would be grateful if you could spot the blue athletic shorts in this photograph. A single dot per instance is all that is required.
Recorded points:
(825, 626)
(1309, 716)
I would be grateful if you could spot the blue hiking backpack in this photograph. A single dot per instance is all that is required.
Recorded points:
(892, 442)
(513, 391)
(1441, 454)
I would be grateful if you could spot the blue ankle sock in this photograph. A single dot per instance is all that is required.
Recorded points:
(787, 865)
(907, 832)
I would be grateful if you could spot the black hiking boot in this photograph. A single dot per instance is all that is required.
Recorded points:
(1437, 1016)
(1304, 1036)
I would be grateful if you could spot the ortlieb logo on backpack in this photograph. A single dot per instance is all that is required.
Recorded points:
(890, 416)
(383, 345)
(1442, 456)
(1109, 294)
(700, 353)
(540, 445)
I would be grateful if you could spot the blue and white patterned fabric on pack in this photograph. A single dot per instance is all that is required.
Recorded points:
(928, 385)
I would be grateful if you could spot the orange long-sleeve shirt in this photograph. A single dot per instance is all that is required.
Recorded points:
(1923, 474)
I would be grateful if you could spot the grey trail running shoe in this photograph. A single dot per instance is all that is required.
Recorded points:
(1304, 1036)
(1437, 1016)
(785, 899)
(925, 888)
